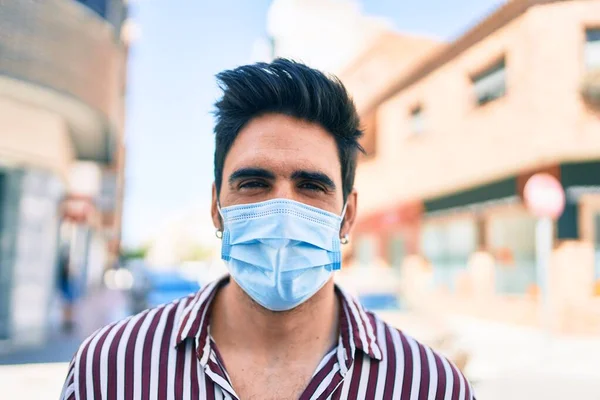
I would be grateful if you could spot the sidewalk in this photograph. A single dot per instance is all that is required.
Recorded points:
(32, 381)
(511, 362)
(96, 310)
(515, 362)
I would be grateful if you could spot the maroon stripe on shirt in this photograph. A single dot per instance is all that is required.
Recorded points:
(333, 387)
(111, 373)
(356, 373)
(468, 393)
(96, 363)
(390, 376)
(188, 314)
(456, 386)
(130, 357)
(163, 362)
(408, 368)
(201, 323)
(366, 325)
(147, 354)
(373, 368)
(83, 371)
(336, 395)
(210, 389)
(372, 382)
(179, 369)
(192, 300)
(216, 368)
(360, 322)
(195, 385)
(441, 383)
(355, 333)
(345, 333)
(425, 377)
(318, 378)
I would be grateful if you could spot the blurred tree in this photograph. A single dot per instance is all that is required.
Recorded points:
(198, 253)
(134, 253)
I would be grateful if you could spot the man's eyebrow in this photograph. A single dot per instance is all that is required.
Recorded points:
(250, 173)
(314, 176)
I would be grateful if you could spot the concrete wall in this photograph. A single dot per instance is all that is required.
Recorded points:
(33, 137)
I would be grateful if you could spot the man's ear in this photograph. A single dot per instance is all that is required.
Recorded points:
(214, 209)
(350, 216)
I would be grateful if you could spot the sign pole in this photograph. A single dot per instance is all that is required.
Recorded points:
(544, 235)
(545, 198)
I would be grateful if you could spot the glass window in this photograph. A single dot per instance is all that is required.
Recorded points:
(448, 246)
(512, 241)
(98, 6)
(417, 120)
(366, 250)
(396, 250)
(490, 84)
(592, 48)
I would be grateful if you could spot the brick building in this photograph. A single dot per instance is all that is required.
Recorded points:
(453, 136)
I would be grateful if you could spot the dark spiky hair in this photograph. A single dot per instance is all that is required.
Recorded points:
(290, 88)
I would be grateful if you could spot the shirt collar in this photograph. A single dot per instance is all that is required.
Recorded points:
(357, 327)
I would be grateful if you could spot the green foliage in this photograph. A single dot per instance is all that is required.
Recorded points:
(134, 253)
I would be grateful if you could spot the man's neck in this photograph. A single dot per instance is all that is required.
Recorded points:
(240, 322)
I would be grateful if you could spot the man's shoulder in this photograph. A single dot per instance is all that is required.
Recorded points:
(412, 357)
(120, 340)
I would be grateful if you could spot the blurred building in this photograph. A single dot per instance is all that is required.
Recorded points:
(454, 130)
(326, 34)
(62, 86)
(453, 136)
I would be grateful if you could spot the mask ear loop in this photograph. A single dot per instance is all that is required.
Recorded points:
(344, 239)
(219, 232)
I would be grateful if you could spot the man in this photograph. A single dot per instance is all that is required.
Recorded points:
(278, 327)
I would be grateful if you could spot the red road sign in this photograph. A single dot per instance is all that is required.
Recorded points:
(544, 196)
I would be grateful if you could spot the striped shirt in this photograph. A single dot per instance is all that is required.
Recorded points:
(168, 353)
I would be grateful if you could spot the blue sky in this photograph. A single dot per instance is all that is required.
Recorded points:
(183, 44)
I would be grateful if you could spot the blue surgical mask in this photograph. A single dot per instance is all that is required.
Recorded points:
(280, 252)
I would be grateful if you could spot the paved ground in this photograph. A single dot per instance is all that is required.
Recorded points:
(517, 363)
(97, 310)
(514, 363)
(538, 386)
(32, 381)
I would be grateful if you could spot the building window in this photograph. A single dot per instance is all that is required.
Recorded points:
(98, 6)
(592, 48)
(397, 250)
(490, 84)
(512, 242)
(448, 245)
(417, 120)
(366, 250)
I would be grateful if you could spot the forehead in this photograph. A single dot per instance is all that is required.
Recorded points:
(284, 144)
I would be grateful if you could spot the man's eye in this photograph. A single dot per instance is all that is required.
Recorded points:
(311, 186)
(252, 185)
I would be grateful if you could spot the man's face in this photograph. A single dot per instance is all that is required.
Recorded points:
(277, 156)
